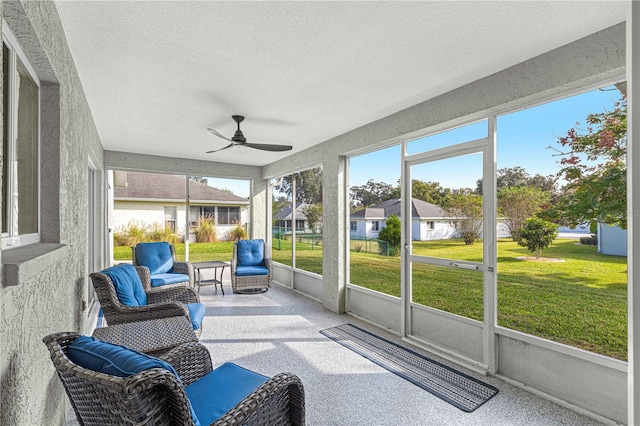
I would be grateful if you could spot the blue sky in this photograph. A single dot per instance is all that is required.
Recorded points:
(523, 140)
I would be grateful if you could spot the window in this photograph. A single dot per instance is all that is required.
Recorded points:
(170, 218)
(375, 225)
(21, 145)
(354, 225)
(228, 215)
(196, 212)
(431, 225)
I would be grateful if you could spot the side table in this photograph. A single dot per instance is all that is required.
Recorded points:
(153, 337)
(214, 264)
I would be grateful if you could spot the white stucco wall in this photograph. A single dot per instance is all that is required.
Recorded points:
(48, 284)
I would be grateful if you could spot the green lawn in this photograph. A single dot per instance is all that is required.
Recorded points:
(581, 302)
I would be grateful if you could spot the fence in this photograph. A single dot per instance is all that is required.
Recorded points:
(356, 243)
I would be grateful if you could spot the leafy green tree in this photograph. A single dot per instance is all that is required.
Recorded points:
(431, 192)
(313, 213)
(537, 234)
(465, 208)
(518, 203)
(392, 234)
(593, 163)
(372, 193)
(308, 186)
(508, 177)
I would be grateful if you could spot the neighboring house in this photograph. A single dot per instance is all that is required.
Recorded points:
(284, 219)
(428, 221)
(155, 198)
(612, 240)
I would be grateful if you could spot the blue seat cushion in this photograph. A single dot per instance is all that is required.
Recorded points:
(245, 271)
(158, 280)
(115, 360)
(222, 389)
(155, 256)
(196, 313)
(250, 252)
(127, 284)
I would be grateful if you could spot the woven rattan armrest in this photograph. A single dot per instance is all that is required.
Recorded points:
(191, 361)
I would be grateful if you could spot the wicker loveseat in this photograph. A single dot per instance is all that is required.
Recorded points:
(178, 389)
(176, 301)
(251, 269)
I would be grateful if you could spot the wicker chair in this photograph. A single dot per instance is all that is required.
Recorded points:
(165, 271)
(160, 304)
(251, 269)
(157, 397)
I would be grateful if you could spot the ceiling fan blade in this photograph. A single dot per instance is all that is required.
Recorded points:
(215, 132)
(216, 150)
(268, 147)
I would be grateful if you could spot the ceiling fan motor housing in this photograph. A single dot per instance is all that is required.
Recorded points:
(238, 136)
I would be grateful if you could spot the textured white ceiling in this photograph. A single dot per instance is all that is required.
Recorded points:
(158, 73)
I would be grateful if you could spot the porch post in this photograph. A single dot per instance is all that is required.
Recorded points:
(258, 208)
(633, 203)
(334, 196)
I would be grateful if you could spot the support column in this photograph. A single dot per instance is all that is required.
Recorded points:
(633, 194)
(258, 209)
(334, 198)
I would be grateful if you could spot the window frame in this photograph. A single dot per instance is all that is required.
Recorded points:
(11, 238)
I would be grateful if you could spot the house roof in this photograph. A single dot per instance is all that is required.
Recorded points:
(157, 186)
(285, 213)
(420, 209)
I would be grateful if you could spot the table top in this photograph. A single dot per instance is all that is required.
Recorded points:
(209, 264)
(150, 336)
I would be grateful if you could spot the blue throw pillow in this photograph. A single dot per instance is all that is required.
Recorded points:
(250, 252)
(115, 360)
(155, 256)
(127, 284)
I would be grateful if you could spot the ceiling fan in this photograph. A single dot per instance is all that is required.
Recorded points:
(238, 139)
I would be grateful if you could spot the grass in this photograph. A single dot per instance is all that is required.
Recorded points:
(580, 302)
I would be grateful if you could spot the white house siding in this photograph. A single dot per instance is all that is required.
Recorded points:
(149, 213)
(612, 240)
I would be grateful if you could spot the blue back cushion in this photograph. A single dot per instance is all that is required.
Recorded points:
(115, 360)
(155, 256)
(250, 252)
(127, 283)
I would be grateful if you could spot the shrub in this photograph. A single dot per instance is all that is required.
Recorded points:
(206, 230)
(591, 240)
(391, 233)
(237, 233)
(134, 233)
(536, 234)
(357, 247)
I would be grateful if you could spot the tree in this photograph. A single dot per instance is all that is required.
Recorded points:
(431, 192)
(508, 177)
(199, 179)
(518, 203)
(465, 208)
(371, 193)
(308, 186)
(537, 234)
(392, 234)
(313, 213)
(593, 163)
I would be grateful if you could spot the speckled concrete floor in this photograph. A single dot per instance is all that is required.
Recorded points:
(279, 331)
